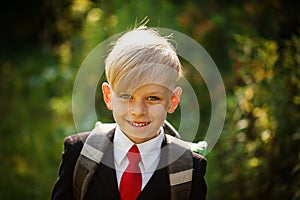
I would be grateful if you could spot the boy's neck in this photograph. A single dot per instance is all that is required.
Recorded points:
(139, 140)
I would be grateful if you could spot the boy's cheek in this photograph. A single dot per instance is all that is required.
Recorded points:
(158, 109)
(120, 108)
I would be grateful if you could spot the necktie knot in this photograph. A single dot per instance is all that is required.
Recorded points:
(133, 155)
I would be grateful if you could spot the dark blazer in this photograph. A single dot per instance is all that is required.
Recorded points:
(104, 184)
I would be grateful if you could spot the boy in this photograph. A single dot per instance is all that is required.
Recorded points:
(139, 161)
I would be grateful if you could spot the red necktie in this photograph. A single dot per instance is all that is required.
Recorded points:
(131, 181)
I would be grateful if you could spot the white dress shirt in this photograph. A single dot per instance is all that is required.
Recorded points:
(150, 154)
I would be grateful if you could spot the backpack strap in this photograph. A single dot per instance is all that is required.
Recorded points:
(180, 169)
(90, 157)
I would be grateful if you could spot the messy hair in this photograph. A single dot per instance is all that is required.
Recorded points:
(142, 56)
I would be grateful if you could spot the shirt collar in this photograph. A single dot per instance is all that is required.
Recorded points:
(150, 150)
(122, 144)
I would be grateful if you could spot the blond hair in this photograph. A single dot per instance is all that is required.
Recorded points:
(142, 56)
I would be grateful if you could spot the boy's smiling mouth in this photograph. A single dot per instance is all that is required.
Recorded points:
(139, 124)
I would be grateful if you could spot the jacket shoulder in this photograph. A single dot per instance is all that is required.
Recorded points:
(63, 188)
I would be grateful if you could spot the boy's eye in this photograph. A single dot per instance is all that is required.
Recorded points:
(153, 98)
(125, 96)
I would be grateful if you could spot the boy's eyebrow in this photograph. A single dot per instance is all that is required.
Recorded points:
(159, 92)
(155, 92)
(151, 92)
(147, 92)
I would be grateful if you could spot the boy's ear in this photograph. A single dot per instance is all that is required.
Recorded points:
(107, 95)
(175, 99)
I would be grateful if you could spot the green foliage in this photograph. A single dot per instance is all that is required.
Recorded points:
(255, 44)
(28, 144)
(260, 153)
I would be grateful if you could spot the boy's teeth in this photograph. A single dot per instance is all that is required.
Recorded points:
(139, 124)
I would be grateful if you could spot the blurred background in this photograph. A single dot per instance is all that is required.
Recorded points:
(255, 44)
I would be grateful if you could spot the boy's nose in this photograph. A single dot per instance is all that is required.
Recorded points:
(138, 108)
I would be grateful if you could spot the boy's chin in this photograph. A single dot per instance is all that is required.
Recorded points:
(138, 138)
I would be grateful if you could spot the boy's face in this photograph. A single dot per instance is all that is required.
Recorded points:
(141, 113)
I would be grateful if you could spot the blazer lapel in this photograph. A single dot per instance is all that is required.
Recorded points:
(108, 172)
(158, 185)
